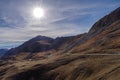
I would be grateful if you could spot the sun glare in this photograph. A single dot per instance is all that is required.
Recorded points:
(38, 12)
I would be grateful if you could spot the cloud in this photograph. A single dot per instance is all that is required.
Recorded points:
(23, 33)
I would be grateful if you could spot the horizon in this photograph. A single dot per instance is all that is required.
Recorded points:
(17, 24)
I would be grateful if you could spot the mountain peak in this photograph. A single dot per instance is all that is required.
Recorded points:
(39, 37)
(107, 20)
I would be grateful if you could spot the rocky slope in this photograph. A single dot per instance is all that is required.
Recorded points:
(91, 56)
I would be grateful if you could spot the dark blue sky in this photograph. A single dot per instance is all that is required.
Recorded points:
(62, 18)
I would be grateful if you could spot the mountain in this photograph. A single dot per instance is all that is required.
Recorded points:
(41, 44)
(34, 45)
(89, 56)
(3, 51)
(103, 36)
(37, 44)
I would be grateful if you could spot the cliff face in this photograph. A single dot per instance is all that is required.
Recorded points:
(90, 56)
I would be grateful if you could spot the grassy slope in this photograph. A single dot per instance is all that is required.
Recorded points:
(108, 40)
(64, 67)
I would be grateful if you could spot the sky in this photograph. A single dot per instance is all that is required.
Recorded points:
(61, 18)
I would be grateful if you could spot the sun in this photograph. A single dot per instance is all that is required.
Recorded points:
(38, 12)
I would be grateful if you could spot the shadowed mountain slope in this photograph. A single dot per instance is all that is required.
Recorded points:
(3, 51)
(41, 44)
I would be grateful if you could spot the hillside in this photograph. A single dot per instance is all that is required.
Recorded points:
(91, 56)
(103, 36)
(39, 46)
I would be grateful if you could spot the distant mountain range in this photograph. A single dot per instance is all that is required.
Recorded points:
(89, 56)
